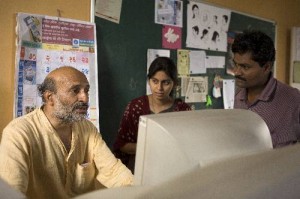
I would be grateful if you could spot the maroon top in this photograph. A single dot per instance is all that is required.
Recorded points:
(128, 130)
(279, 107)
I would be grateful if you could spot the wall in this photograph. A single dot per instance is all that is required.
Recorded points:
(285, 13)
(76, 9)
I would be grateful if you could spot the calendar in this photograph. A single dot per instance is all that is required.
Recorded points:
(45, 43)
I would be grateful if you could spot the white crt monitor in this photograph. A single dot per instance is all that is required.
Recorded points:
(170, 144)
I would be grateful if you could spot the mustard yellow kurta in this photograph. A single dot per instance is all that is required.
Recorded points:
(34, 160)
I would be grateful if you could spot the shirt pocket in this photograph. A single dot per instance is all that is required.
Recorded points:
(84, 179)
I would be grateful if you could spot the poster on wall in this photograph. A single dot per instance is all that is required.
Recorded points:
(45, 43)
(169, 12)
(207, 27)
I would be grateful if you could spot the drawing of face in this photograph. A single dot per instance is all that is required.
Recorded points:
(195, 31)
(215, 36)
(204, 36)
(195, 10)
(224, 20)
(205, 18)
(216, 19)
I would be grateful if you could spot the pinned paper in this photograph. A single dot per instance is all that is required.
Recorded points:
(228, 93)
(197, 62)
(197, 89)
(171, 37)
(183, 62)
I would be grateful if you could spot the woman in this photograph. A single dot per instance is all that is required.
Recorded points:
(162, 79)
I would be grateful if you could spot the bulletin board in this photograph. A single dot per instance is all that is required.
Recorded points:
(122, 57)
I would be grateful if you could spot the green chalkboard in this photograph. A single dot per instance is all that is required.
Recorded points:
(122, 57)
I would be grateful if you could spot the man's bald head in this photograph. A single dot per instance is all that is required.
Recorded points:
(64, 72)
(60, 76)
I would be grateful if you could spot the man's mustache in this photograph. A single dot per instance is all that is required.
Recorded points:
(81, 105)
(239, 77)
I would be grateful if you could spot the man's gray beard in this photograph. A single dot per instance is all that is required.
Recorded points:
(69, 118)
(65, 113)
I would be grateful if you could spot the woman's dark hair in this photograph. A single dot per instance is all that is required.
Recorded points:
(164, 64)
(260, 45)
(47, 85)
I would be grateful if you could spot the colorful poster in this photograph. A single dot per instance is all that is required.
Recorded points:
(46, 43)
(171, 37)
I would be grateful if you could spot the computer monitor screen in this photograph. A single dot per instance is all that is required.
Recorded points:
(170, 144)
(266, 174)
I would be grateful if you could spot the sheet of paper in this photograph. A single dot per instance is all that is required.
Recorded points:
(207, 26)
(108, 9)
(169, 12)
(215, 62)
(197, 89)
(183, 62)
(228, 93)
(197, 62)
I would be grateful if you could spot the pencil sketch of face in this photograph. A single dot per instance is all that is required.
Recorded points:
(224, 26)
(205, 18)
(215, 19)
(215, 36)
(195, 31)
(224, 20)
(204, 35)
(195, 10)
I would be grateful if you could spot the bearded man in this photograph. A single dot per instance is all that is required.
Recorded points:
(54, 151)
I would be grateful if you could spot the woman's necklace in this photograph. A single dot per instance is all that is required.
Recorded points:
(160, 108)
